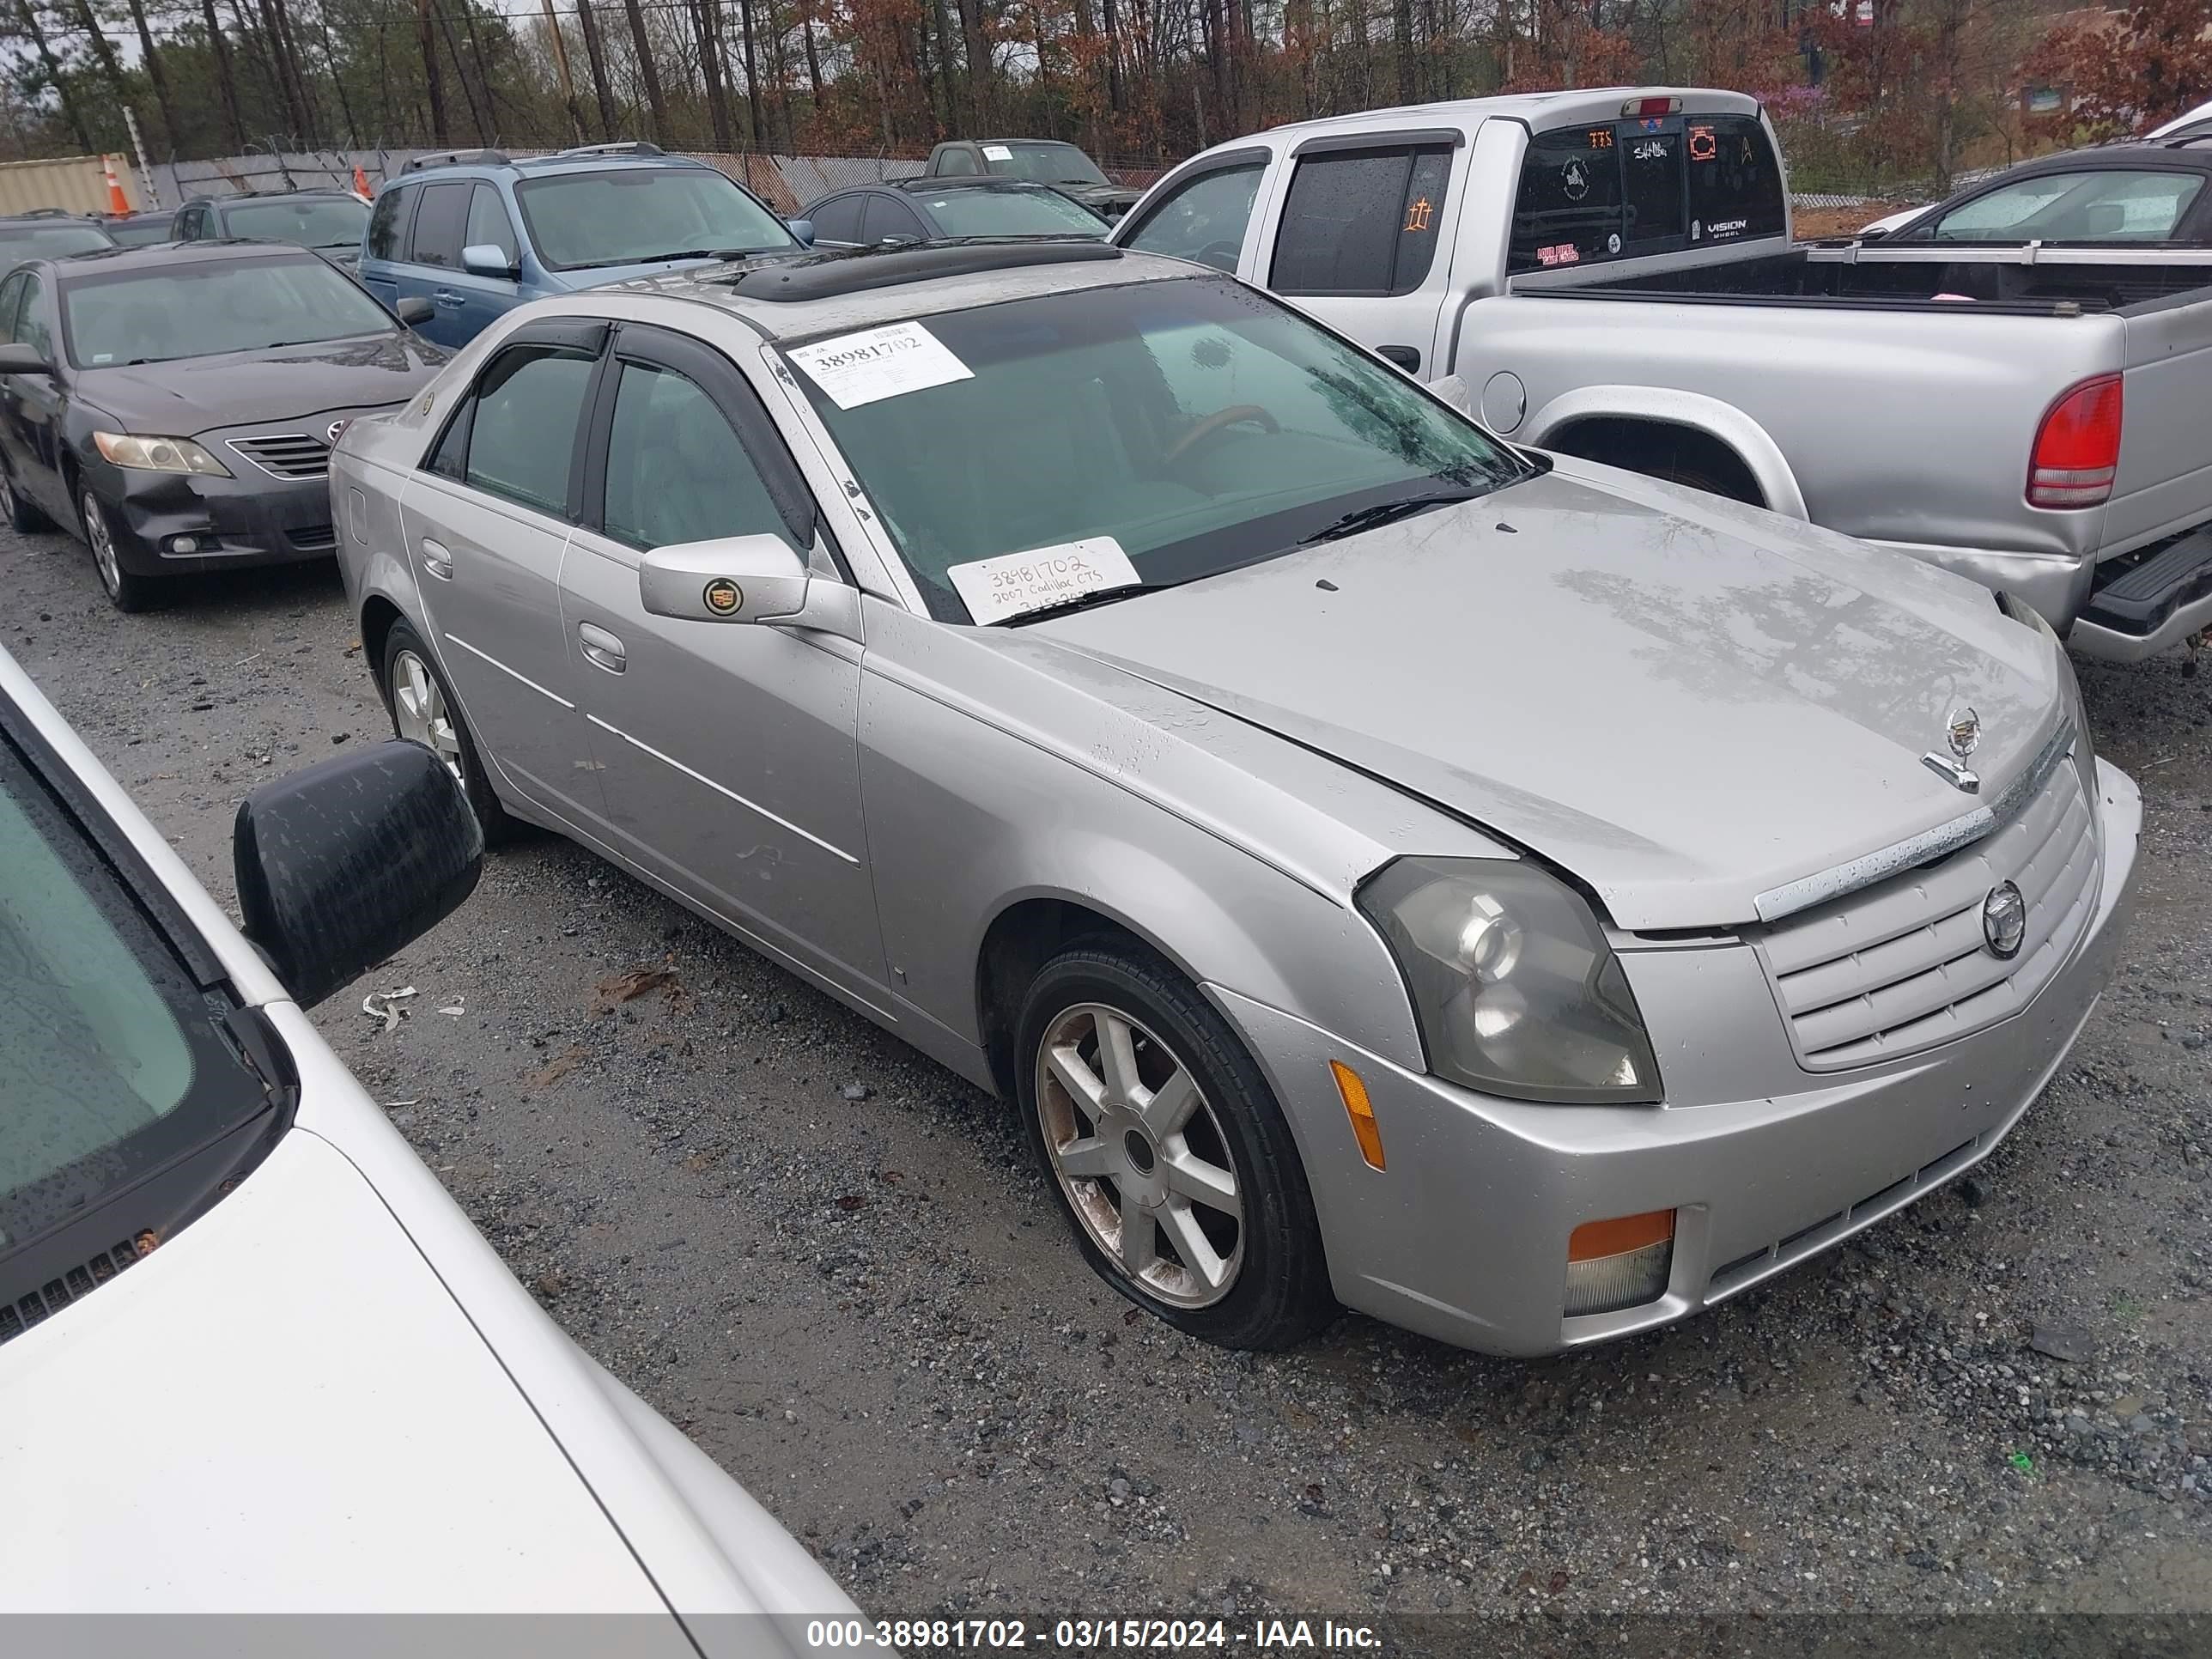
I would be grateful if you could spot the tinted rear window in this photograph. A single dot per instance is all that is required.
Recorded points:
(1613, 189)
(1362, 222)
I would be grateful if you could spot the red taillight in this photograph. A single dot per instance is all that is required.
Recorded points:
(2077, 447)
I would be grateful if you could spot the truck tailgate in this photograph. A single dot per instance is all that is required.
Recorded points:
(2165, 480)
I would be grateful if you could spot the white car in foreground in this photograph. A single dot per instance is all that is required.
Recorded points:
(252, 1359)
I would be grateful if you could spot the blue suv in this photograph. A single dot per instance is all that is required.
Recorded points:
(475, 234)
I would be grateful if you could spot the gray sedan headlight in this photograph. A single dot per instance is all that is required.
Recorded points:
(1516, 988)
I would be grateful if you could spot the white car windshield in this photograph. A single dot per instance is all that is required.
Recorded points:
(112, 1060)
(1199, 423)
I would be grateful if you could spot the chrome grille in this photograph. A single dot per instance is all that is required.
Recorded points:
(287, 454)
(1902, 965)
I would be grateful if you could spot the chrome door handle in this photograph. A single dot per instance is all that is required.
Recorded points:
(600, 648)
(435, 560)
(445, 296)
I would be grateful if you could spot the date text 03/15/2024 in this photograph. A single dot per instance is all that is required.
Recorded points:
(1086, 1635)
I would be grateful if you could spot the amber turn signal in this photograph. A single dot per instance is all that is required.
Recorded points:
(1364, 1129)
(1619, 1263)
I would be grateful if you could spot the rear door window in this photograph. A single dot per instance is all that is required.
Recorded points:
(1362, 222)
(1203, 219)
(888, 220)
(439, 223)
(520, 434)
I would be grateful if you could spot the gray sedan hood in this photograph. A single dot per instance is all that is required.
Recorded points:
(1683, 702)
(193, 395)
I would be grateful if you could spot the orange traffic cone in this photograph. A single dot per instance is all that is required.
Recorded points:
(360, 183)
(117, 202)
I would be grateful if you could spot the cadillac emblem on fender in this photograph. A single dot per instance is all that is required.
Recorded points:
(1962, 735)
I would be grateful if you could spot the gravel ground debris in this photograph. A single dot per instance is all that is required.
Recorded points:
(829, 1262)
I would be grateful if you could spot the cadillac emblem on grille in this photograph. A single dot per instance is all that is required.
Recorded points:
(1962, 735)
(2004, 921)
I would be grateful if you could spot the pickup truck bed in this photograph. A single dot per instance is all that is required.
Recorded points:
(1610, 274)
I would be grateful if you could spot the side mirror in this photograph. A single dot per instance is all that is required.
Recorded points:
(19, 359)
(482, 259)
(736, 578)
(803, 230)
(1455, 390)
(414, 310)
(341, 863)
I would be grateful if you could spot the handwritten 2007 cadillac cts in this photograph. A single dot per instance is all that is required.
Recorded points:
(1523, 901)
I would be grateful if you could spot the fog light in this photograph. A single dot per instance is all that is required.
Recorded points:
(184, 543)
(1619, 1263)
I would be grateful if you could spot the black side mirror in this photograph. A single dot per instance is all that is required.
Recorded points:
(19, 359)
(341, 863)
(414, 310)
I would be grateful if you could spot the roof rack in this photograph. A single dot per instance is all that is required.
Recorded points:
(823, 276)
(454, 158)
(618, 147)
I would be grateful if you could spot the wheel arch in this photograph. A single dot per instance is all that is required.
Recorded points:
(1633, 410)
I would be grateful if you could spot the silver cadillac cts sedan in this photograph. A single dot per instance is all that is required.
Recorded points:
(1523, 900)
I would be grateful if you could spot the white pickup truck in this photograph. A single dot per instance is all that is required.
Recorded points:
(1611, 275)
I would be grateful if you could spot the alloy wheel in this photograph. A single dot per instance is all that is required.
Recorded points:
(1141, 1155)
(102, 542)
(419, 712)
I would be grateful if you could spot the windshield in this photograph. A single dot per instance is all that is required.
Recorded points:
(1199, 423)
(1010, 213)
(1045, 164)
(2074, 207)
(21, 242)
(142, 233)
(112, 1062)
(321, 222)
(632, 216)
(199, 309)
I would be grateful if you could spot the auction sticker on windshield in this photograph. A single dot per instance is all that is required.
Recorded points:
(879, 363)
(1013, 583)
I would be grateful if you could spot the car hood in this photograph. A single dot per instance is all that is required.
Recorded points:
(1683, 702)
(282, 1408)
(240, 388)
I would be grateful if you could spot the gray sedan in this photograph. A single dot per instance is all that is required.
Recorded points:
(1523, 900)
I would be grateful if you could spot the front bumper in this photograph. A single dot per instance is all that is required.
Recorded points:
(1463, 1236)
(240, 522)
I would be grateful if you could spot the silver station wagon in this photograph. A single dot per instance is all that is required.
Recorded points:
(1384, 867)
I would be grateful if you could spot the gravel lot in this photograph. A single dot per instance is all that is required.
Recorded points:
(828, 1260)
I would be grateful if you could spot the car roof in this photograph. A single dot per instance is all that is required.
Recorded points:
(919, 185)
(2162, 156)
(38, 217)
(828, 292)
(1538, 110)
(323, 193)
(542, 166)
(167, 256)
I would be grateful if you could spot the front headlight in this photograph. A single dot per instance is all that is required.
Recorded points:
(158, 454)
(1515, 988)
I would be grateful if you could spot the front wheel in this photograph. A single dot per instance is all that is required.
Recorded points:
(424, 711)
(125, 591)
(1167, 1151)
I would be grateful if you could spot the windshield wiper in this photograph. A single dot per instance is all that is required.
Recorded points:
(1082, 602)
(1382, 512)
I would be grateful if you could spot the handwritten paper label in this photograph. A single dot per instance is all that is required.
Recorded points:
(878, 363)
(1013, 583)
(997, 153)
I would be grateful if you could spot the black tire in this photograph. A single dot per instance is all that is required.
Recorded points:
(18, 511)
(1279, 1294)
(126, 591)
(402, 642)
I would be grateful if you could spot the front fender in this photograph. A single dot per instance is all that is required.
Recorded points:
(1666, 406)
